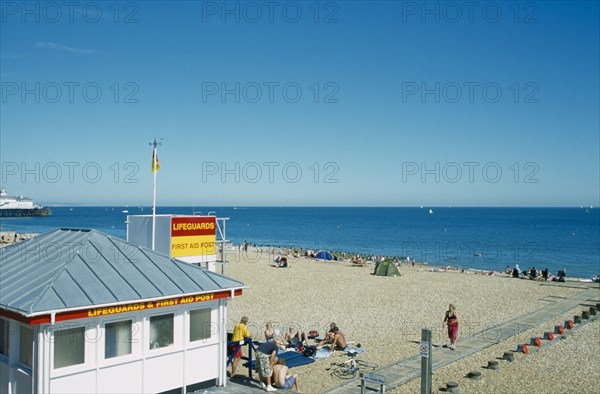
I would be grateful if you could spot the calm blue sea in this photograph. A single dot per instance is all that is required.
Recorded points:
(485, 238)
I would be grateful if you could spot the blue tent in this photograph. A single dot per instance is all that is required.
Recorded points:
(324, 255)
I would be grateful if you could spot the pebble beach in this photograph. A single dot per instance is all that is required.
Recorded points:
(385, 315)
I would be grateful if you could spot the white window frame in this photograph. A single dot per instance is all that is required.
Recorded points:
(137, 340)
(69, 331)
(91, 335)
(178, 340)
(214, 319)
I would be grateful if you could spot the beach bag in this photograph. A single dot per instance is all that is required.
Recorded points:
(309, 351)
(312, 334)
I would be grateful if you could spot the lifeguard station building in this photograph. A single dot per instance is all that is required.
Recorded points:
(85, 312)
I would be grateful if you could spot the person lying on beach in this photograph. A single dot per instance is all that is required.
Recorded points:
(280, 376)
(335, 339)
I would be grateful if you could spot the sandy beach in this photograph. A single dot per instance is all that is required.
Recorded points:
(385, 315)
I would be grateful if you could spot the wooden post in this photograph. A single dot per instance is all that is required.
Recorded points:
(585, 315)
(508, 356)
(493, 364)
(426, 363)
(475, 375)
(452, 387)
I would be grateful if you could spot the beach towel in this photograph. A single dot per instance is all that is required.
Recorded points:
(355, 350)
(322, 353)
(295, 359)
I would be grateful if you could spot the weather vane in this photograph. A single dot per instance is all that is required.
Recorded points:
(155, 144)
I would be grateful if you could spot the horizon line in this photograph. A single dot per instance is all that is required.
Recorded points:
(321, 206)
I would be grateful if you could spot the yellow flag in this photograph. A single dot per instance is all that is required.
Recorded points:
(155, 163)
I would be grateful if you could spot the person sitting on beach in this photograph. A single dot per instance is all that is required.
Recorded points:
(516, 272)
(357, 262)
(532, 273)
(508, 270)
(280, 262)
(280, 376)
(335, 339)
(562, 275)
(329, 333)
(294, 338)
(545, 274)
(269, 332)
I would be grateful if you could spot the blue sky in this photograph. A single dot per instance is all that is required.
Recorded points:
(331, 103)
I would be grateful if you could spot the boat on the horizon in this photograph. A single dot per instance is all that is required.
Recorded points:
(12, 206)
(431, 211)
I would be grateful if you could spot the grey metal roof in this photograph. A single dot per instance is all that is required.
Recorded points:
(70, 268)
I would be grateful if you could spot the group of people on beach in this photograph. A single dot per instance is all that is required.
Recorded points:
(534, 274)
(273, 371)
(270, 368)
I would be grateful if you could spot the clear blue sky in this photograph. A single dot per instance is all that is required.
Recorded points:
(371, 129)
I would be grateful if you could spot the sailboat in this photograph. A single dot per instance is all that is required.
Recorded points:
(430, 211)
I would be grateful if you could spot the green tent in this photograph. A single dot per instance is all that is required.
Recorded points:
(387, 268)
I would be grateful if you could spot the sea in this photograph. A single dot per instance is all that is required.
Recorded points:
(477, 238)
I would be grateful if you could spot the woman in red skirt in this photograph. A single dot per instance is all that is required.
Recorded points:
(451, 320)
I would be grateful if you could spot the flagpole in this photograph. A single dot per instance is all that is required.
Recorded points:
(155, 167)
(154, 197)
